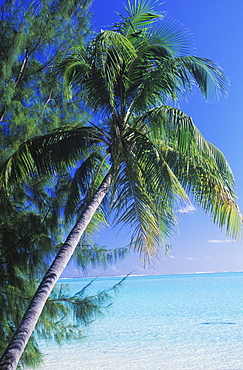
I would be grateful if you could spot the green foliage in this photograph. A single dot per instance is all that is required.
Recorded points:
(33, 36)
(13, 301)
(27, 237)
(95, 255)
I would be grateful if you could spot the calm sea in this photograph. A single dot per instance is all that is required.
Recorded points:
(161, 322)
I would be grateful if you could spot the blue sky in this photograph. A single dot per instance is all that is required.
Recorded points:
(217, 29)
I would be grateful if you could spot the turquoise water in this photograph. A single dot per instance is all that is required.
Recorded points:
(162, 322)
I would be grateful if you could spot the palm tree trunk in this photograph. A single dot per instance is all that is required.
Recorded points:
(14, 350)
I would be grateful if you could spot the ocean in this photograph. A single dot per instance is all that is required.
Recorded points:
(173, 322)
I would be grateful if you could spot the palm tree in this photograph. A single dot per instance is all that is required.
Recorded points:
(140, 153)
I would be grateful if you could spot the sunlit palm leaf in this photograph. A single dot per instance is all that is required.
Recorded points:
(145, 191)
(212, 190)
(199, 166)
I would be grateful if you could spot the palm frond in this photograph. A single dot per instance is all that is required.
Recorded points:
(154, 78)
(222, 164)
(86, 180)
(198, 165)
(167, 35)
(146, 191)
(147, 83)
(172, 128)
(80, 74)
(96, 74)
(47, 154)
(80, 183)
(208, 76)
(95, 256)
(113, 52)
(212, 189)
(140, 14)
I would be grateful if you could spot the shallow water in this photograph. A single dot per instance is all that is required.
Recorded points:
(161, 322)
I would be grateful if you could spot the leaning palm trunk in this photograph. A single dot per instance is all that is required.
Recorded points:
(13, 352)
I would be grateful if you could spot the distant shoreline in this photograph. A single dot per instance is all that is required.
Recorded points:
(150, 275)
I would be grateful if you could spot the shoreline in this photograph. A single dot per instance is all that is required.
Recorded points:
(151, 275)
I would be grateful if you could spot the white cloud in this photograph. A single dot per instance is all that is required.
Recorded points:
(215, 241)
(189, 208)
(191, 258)
(220, 241)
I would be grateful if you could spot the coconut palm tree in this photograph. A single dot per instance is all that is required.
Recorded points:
(142, 154)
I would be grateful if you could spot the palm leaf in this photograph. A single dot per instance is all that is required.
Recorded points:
(198, 165)
(167, 35)
(95, 255)
(146, 190)
(48, 154)
(140, 14)
(209, 77)
(80, 183)
(96, 73)
(87, 178)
